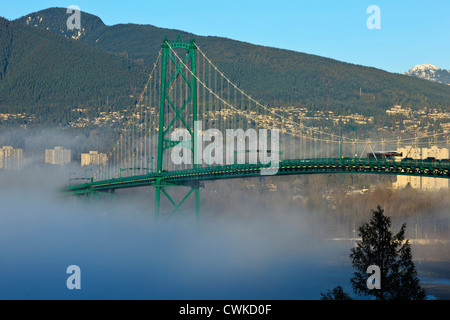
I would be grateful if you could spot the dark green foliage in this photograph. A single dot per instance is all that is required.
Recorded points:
(335, 294)
(273, 76)
(279, 77)
(392, 254)
(48, 75)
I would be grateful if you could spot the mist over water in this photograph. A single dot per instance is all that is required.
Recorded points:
(249, 250)
(123, 253)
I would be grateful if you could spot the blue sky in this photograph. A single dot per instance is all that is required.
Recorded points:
(412, 31)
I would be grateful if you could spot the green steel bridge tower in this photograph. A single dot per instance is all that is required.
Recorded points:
(165, 126)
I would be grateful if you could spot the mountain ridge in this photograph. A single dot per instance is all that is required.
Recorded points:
(430, 72)
(274, 76)
(40, 69)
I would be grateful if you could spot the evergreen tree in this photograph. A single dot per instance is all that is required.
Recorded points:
(392, 254)
(335, 294)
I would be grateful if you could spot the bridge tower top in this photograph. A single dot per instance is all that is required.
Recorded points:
(185, 112)
(179, 44)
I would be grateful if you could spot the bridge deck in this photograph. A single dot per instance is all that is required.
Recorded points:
(285, 167)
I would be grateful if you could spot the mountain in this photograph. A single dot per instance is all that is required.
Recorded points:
(430, 72)
(55, 20)
(273, 76)
(43, 72)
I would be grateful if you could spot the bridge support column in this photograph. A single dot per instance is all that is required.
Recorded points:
(185, 116)
(157, 201)
(197, 203)
(161, 187)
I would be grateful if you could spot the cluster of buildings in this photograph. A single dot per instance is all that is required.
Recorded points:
(10, 158)
(414, 120)
(423, 153)
(397, 109)
(423, 183)
(16, 116)
(58, 155)
(93, 158)
(104, 118)
(13, 159)
(61, 156)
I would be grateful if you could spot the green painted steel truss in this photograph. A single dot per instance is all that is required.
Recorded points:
(164, 142)
(194, 177)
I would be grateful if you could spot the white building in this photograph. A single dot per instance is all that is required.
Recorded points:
(10, 158)
(93, 158)
(435, 151)
(423, 153)
(58, 155)
(399, 110)
(411, 152)
(421, 183)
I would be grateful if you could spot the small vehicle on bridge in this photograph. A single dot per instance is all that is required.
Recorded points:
(391, 155)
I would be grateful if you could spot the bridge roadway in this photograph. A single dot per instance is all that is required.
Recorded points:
(192, 177)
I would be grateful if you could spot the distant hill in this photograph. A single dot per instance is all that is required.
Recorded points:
(430, 72)
(273, 76)
(42, 72)
(54, 19)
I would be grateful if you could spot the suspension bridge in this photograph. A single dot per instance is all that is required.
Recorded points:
(187, 97)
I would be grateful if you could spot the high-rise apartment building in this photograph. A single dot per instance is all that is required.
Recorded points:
(93, 158)
(423, 153)
(423, 183)
(10, 158)
(58, 155)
